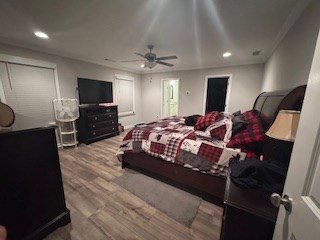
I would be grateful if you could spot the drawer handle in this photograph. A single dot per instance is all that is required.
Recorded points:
(94, 133)
(110, 115)
(93, 126)
(95, 118)
(112, 128)
(112, 122)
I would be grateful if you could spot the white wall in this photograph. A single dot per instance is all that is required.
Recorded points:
(69, 69)
(246, 85)
(290, 64)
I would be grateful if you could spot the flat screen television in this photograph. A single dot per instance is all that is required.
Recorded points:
(94, 91)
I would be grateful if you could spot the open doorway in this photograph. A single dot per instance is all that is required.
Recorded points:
(216, 93)
(170, 97)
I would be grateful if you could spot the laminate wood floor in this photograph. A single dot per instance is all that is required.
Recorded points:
(101, 209)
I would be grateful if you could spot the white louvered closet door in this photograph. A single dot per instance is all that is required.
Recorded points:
(29, 90)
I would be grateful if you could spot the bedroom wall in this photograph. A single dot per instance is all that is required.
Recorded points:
(246, 85)
(290, 63)
(69, 69)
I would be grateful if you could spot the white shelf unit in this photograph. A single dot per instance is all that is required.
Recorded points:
(66, 112)
(68, 134)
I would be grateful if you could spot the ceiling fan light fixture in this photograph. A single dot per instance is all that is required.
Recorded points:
(150, 64)
(150, 59)
(227, 54)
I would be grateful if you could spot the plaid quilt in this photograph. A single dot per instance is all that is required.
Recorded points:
(171, 140)
(251, 138)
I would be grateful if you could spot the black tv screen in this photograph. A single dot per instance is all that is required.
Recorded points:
(94, 91)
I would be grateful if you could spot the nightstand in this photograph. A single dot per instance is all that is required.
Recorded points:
(248, 214)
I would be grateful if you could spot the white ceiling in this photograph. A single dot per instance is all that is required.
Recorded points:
(197, 31)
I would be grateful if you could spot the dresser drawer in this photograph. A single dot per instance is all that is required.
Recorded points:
(109, 110)
(95, 118)
(100, 125)
(102, 117)
(100, 132)
(110, 116)
(100, 110)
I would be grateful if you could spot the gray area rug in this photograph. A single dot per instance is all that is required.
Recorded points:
(177, 204)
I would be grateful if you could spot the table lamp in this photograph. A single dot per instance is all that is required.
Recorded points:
(284, 129)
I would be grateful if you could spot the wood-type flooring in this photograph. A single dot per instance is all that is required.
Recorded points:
(101, 209)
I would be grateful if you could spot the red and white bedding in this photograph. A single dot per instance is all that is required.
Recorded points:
(171, 140)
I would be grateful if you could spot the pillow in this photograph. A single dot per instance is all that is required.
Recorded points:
(205, 121)
(236, 113)
(238, 124)
(192, 120)
(222, 128)
(252, 137)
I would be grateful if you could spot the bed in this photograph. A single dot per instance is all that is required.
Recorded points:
(209, 186)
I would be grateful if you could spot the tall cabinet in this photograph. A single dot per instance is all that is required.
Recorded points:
(97, 122)
(32, 202)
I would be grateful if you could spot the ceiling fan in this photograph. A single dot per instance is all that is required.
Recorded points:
(151, 59)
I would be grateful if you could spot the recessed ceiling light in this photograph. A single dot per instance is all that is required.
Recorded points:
(142, 65)
(227, 54)
(41, 35)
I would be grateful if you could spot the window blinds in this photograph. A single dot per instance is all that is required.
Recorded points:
(29, 90)
(125, 95)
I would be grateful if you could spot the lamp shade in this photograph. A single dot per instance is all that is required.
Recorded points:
(285, 126)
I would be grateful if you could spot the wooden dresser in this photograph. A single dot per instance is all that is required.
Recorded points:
(32, 202)
(248, 214)
(96, 123)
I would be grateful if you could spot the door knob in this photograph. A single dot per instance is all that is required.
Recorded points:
(277, 200)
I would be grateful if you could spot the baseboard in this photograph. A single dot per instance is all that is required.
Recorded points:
(61, 220)
(130, 126)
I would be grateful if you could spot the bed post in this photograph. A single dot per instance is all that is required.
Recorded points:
(124, 164)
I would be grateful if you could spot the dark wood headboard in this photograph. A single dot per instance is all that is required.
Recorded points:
(268, 104)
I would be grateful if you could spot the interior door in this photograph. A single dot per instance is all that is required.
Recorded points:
(303, 179)
(216, 94)
(170, 97)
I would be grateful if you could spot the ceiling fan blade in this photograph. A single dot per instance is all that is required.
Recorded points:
(141, 55)
(132, 60)
(164, 63)
(167, 58)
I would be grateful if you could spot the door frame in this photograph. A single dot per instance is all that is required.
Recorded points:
(2, 95)
(161, 94)
(226, 108)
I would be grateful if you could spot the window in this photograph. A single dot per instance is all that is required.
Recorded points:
(124, 91)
